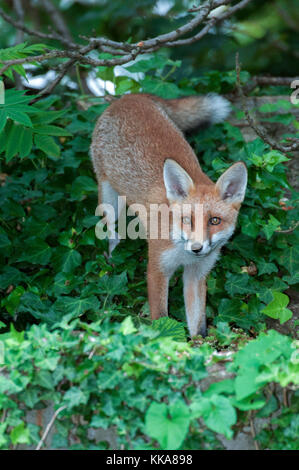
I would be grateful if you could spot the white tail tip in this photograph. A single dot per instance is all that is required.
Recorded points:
(219, 107)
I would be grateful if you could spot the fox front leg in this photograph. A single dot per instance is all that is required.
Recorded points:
(157, 282)
(157, 288)
(195, 301)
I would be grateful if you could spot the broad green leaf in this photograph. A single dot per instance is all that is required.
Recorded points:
(52, 130)
(12, 301)
(12, 145)
(268, 408)
(160, 88)
(37, 252)
(113, 285)
(47, 144)
(237, 284)
(168, 424)
(3, 117)
(74, 397)
(271, 226)
(217, 413)
(127, 326)
(82, 186)
(70, 260)
(277, 308)
(76, 305)
(20, 434)
(16, 115)
(290, 259)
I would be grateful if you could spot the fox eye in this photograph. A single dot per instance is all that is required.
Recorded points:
(214, 221)
(186, 220)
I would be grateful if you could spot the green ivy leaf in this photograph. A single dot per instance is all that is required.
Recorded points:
(113, 285)
(75, 396)
(290, 259)
(37, 252)
(277, 307)
(217, 412)
(20, 434)
(237, 284)
(168, 423)
(76, 305)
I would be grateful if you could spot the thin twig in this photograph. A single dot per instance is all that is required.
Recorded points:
(215, 19)
(18, 7)
(51, 36)
(252, 430)
(285, 397)
(276, 81)
(289, 230)
(57, 19)
(63, 71)
(49, 426)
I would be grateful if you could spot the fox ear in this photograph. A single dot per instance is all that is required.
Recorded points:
(177, 181)
(232, 184)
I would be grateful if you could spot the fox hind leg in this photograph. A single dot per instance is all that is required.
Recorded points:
(111, 205)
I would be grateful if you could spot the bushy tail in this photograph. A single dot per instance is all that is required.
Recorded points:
(195, 111)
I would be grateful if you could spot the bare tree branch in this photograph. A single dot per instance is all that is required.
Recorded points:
(18, 7)
(261, 131)
(215, 19)
(19, 25)
(276, 81)
(49, 426)
(79, 54)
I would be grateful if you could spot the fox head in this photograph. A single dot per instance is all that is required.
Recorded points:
(205, 214)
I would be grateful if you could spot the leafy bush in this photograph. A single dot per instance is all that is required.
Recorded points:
(149, 388)
(63, 304)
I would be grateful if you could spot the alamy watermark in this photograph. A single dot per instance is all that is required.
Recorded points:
(158, 221)
(294, 98)
(2, 93)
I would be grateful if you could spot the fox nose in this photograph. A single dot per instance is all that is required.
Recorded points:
(196, 247)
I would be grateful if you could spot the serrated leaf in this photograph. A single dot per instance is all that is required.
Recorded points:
(26, 142)
(12, 145)
(3, 117)
(52, 130)
(169, 327)
(47, 145)
(16, 115)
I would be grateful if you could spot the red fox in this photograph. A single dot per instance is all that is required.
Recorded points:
(139, 151)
